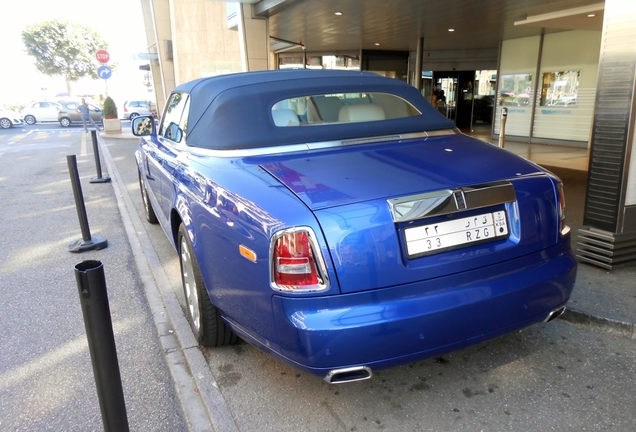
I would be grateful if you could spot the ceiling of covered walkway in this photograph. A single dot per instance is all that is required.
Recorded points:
(340, 25)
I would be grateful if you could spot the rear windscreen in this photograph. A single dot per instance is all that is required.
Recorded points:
(340, 108)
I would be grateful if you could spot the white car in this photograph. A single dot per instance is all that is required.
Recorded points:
(40, 111)
(9, 119)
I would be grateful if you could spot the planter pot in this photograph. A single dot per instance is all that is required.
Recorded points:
(112, 125)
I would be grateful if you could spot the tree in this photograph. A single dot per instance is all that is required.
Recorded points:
(63, 49)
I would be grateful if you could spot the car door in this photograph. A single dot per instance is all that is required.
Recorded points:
(95, 113)
(171, 137)
(49, 111)
(44, 111)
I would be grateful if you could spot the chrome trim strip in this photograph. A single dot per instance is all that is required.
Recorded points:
(371, 140)
(418, 206)
(439, 203)
(293, 148)
(443, 132)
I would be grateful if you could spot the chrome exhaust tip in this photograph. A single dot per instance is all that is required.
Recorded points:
(555, 314)
(347, 375)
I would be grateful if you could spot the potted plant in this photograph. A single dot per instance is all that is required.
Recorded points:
(112, 124)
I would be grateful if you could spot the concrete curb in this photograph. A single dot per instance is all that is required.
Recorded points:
(600, 324)
(202, 403)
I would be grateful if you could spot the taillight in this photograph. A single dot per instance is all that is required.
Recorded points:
(563, 228)
(296, 262)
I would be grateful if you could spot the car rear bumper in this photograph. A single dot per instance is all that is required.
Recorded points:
(393, 326)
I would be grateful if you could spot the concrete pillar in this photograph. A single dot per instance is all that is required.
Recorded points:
(253, 39)
(417, 82)
(158, 30)
(608, 238)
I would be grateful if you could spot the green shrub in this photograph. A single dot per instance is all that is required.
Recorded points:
(110, 109)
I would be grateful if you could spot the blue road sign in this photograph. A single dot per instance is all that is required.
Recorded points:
(104, 72)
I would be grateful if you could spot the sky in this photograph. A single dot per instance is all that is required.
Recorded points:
(120, 23)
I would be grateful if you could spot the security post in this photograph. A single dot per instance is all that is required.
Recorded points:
(98, 165)
(502, 129)
(87, 241)
(91, 285)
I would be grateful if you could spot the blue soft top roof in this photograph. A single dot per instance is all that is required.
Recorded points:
(234, 111)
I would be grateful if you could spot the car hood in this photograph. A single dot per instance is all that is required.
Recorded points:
(348, 192)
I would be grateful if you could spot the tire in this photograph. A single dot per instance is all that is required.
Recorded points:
(5, 123)
(30, 120)
(133, 115)
(151, 216)
(205, 319)
(65, 121)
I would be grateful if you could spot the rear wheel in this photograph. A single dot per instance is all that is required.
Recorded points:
(5, 123)
(133, 115)
(151, 216)
(30, 120)
(205, 319)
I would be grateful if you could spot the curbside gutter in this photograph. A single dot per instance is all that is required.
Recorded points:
(599, 324)
(201, 400)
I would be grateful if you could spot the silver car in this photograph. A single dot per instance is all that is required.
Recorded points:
(40, 111)
(68, 114)
(133, 109)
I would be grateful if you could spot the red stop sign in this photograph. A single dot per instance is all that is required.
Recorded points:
(102, 56)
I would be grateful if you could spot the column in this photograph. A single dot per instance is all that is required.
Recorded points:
(253, 39)
(608, 237)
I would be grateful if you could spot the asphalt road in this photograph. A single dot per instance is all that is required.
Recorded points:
(46, 377)
(547, 377)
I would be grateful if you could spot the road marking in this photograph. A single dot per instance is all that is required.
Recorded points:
(83, 148)
(16, 139)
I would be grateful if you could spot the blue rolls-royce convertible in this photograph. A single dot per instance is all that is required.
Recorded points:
(337, 221)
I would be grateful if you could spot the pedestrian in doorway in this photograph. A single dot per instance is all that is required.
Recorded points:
(85, 115)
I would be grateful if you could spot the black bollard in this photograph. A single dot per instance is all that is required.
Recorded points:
(87, 242)
(98, 165)
(101, 344)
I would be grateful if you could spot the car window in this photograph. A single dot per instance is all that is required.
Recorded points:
(340, 108)
(174, 122)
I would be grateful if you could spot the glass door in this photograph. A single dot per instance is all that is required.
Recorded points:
(444, 93)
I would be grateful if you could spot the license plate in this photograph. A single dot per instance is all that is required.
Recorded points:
(440, 236)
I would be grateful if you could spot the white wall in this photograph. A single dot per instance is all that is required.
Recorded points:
(575, 50)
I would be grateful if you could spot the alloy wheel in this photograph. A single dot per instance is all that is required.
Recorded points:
(189, 284)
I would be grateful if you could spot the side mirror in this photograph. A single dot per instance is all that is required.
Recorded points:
(143, 126)
(174, 132)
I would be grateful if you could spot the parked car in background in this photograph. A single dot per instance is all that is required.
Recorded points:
(483, 108)
(136, 108)
(68, 115)
(40, 111)
(563, 103)
(9, 119)
(340, 223)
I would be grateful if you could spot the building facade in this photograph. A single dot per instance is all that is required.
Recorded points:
(563, 69)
